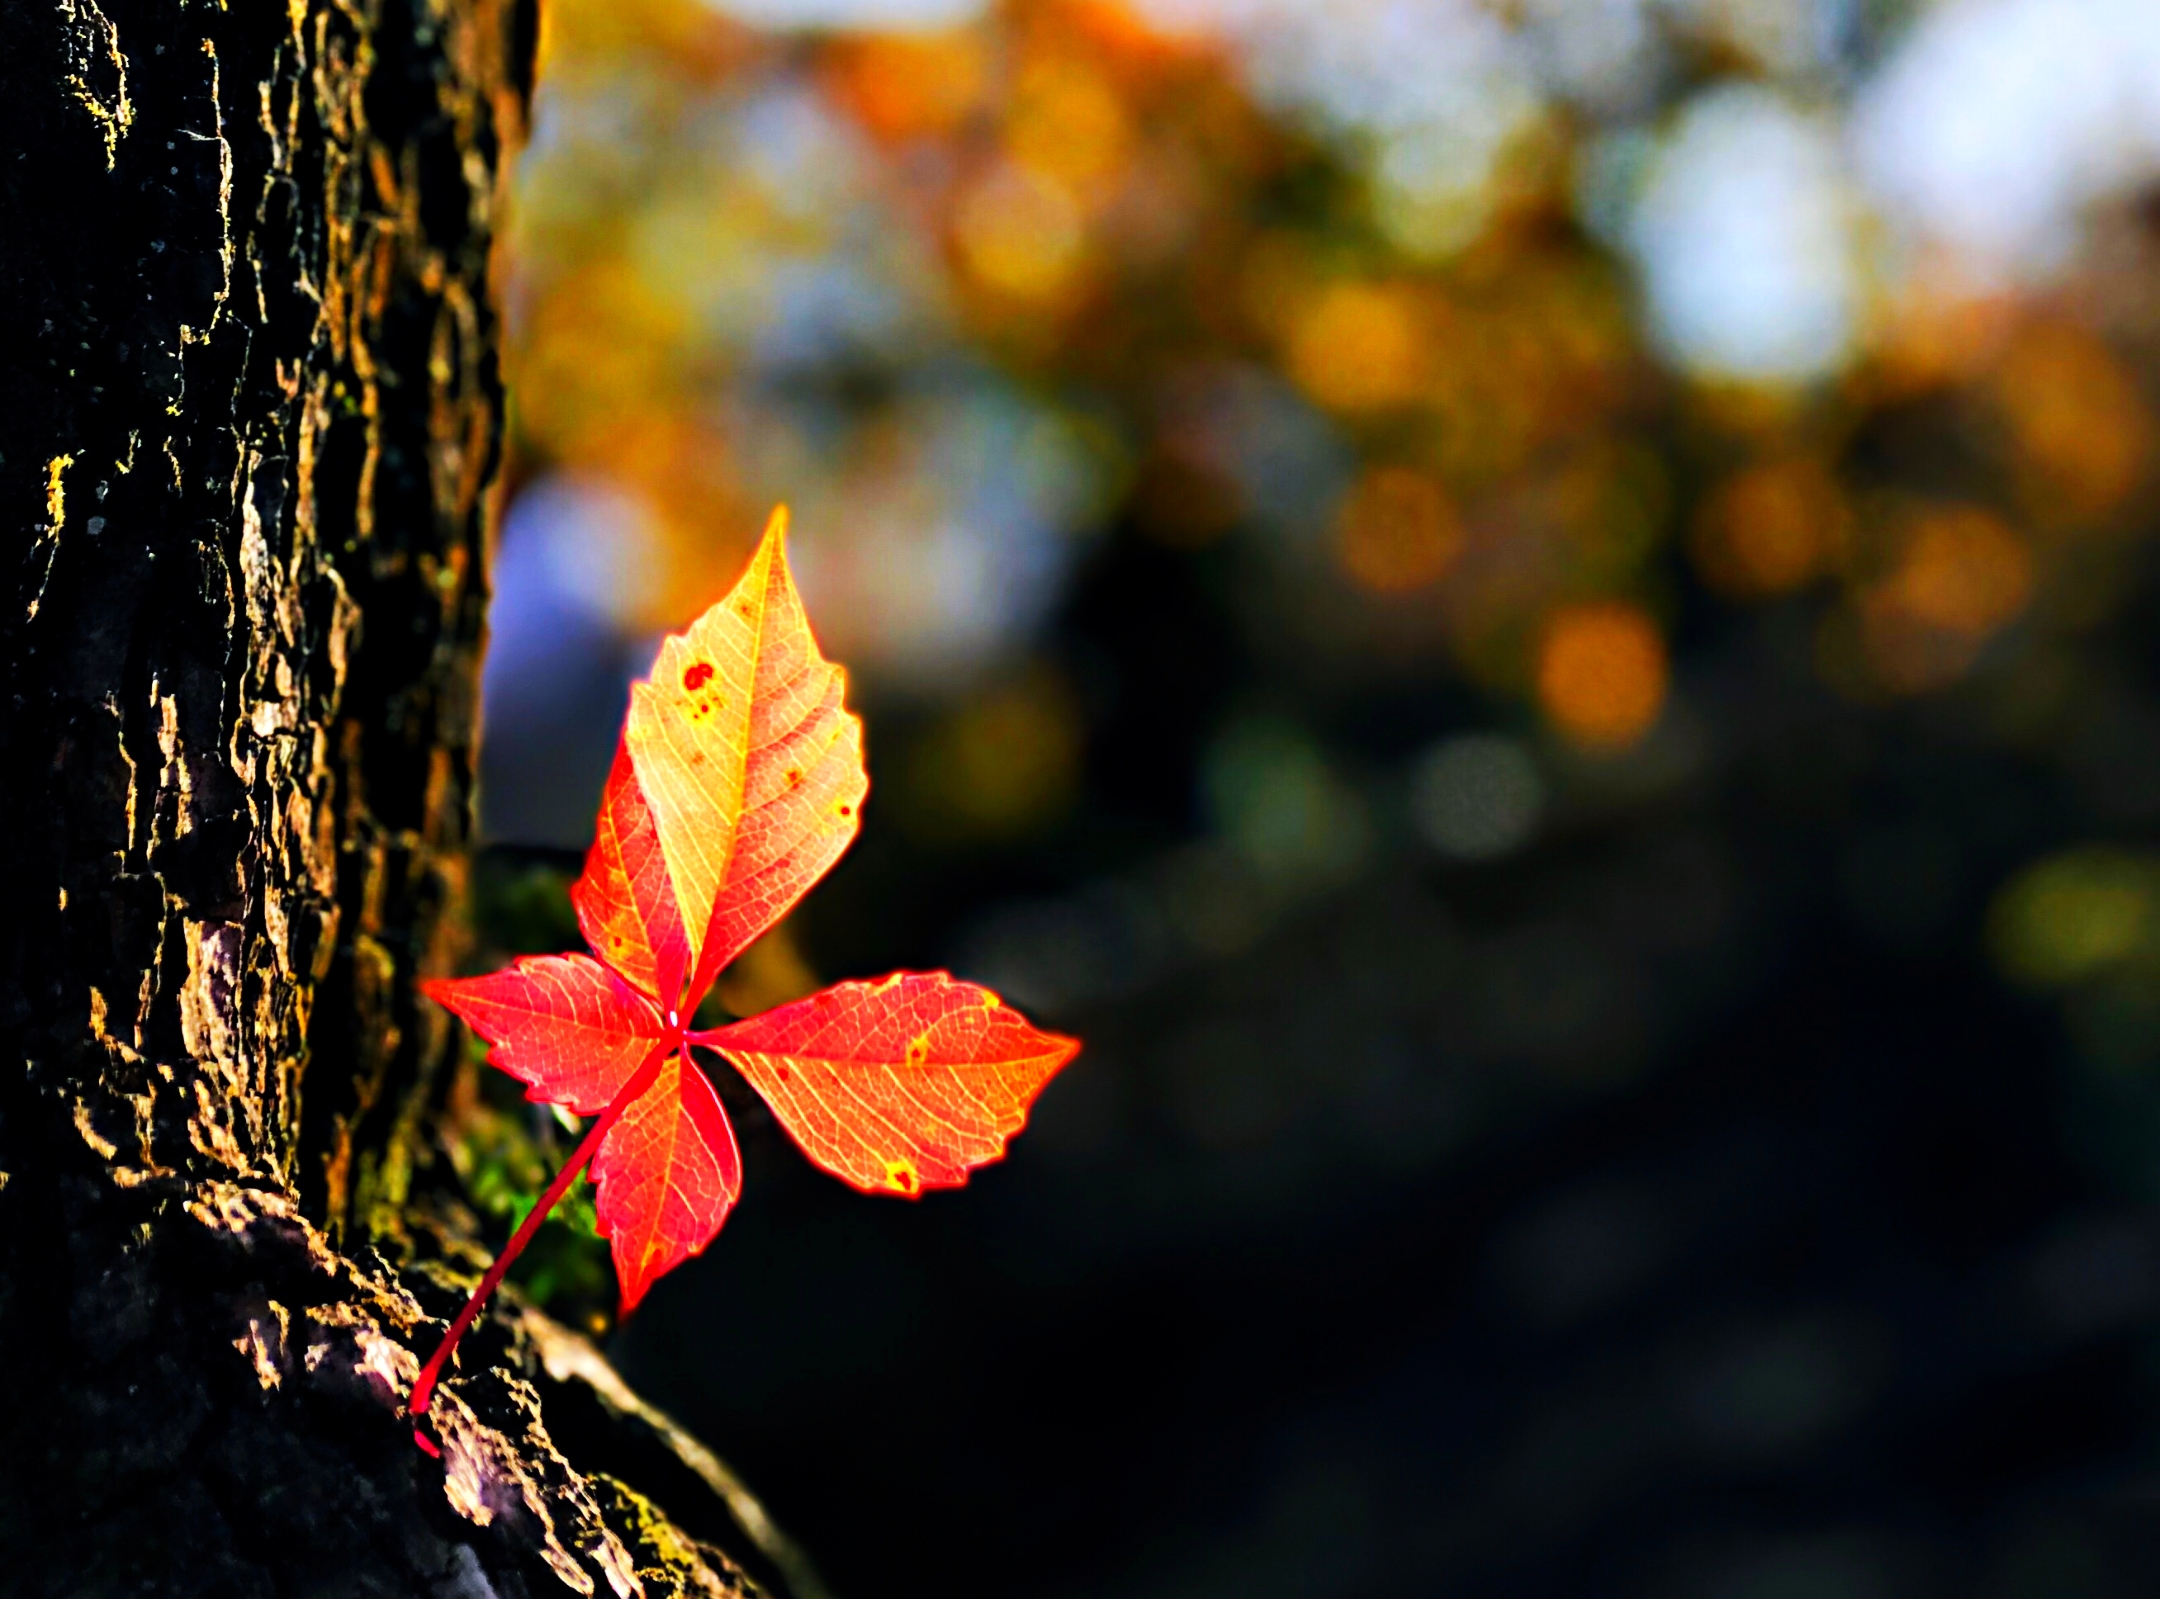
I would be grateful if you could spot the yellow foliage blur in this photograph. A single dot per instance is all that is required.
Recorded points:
(1396, 530)
(2077, 914)
(2079, 431)
(910, 86)
(1361, 347)
(770, 972)
(1067, 121)
(1021, 231)
(1958, 574)
(997, 767)
(1772, 528)
(1602, 673)
(973, 295)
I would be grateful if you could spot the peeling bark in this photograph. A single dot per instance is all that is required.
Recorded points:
(250, 433)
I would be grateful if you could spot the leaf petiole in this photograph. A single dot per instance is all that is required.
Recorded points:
(588, 1146)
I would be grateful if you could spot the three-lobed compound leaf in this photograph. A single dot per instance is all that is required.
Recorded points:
(899, 1085)
(738, 782)
(749, 759)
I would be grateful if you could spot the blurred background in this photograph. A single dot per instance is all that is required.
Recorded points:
(1539, 619)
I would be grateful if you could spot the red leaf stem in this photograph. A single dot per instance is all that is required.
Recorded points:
(581, 1157)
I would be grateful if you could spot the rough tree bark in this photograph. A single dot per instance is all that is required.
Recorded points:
(250, 429)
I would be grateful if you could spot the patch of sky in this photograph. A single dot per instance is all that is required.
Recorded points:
(576, 562)
(1744, 231)
(802, 157)
(1605, 55)
(937, 530)
(1995, 124)
(1435, 90)
(833, 313)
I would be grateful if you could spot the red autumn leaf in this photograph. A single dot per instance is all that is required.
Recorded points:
(624, 902)
(900, 1085)
(738, 783)
(668, 1172)
(751, 764)
(564, 1025)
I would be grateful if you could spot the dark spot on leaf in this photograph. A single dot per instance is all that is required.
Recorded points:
(697, 676)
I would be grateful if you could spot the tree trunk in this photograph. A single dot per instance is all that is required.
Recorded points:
(250, 432)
